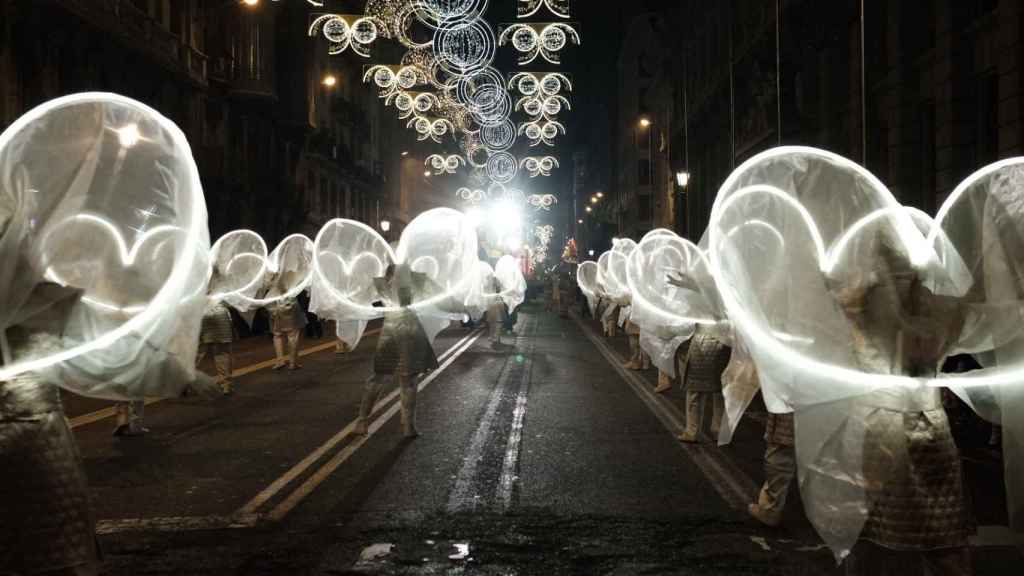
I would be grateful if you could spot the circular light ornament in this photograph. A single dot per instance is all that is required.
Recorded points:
(552, 106)
(336, 30)
(383, 77)
(499, 137)
(552, 83)
(528, 84)
(424, 102)
(545, 39)
(464, 48)
(502, 167)
(404, 104)
(533, 131)
(525, 39)
(408, 76)
(364, 31)
(553, 38)
(532, 106)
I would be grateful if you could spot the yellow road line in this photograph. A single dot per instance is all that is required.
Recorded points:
(109, 411)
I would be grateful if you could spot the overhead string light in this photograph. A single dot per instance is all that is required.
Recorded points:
(430, 128)
(542, 201)
(544, 39)
(539, 165)
(528, 8)
(391, 79)
(344, 31)
(444, 164)
(541, 132)
(502, 167)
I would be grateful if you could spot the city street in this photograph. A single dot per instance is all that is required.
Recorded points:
(539, 457)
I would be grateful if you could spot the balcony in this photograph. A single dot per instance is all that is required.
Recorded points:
(138, 31)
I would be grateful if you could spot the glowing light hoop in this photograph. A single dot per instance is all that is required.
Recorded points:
(176, 283)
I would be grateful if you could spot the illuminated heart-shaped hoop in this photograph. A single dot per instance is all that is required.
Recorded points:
(108, 202)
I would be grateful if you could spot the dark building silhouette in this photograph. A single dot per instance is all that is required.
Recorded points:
(277, 150)
(931, 94)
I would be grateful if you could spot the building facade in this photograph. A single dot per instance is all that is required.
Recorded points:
(278, 151)
(933, 94)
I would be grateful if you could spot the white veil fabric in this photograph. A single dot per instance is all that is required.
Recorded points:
(103, 247)
(510, 277)
(616, 285)
(436, 258)
(845, 307)
(238, 261)
(586, 279)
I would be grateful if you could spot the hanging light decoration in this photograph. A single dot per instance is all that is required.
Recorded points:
(444, 165)
(344, 31)
(542, 201)
(528, 8)
(544, 39)
(539, 165)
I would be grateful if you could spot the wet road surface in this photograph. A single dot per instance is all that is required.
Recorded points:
(539, 456)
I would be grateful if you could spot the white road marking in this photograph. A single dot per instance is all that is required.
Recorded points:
(509, 468)
(307, 487)
(735, 487)
(110, 411)
(247, 516)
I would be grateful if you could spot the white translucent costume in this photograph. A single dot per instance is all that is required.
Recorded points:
(288, 273)
(103, 272)
(848, 303)
(423, 284)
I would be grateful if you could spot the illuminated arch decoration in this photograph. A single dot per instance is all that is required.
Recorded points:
(539, 165)
(527, 8)
(444, 165)
(541, 132)
(430, 128)
(436, 13)
(542, 201)
(391, 79)
(345, 31)
(544, 39)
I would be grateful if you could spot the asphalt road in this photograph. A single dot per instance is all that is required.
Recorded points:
(536, 457)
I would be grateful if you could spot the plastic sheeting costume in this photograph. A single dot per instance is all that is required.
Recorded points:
(849, 302)
(428, 281)
(103, 270)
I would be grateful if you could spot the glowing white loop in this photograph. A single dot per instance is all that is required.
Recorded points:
(173, 269)
(440, 242)
(471, 196)
(918, 235)
(246, 254)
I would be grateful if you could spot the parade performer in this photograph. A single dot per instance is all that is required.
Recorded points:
(403, 350)
(77, 174)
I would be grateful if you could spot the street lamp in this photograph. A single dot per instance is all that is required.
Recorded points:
(594, 199)
(405, 152)
(682, 178)
(426, 173)
(385, 226)
(645, 122)
(599, 194)
(580, 221)
(330, 80)
(589, 209)
(250, 2)
(590, 253)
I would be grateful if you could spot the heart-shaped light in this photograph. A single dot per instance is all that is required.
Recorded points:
(803, 243)
(238, 263)
(658, 306)
(288, 272)
(105, 198)
(439, 243)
